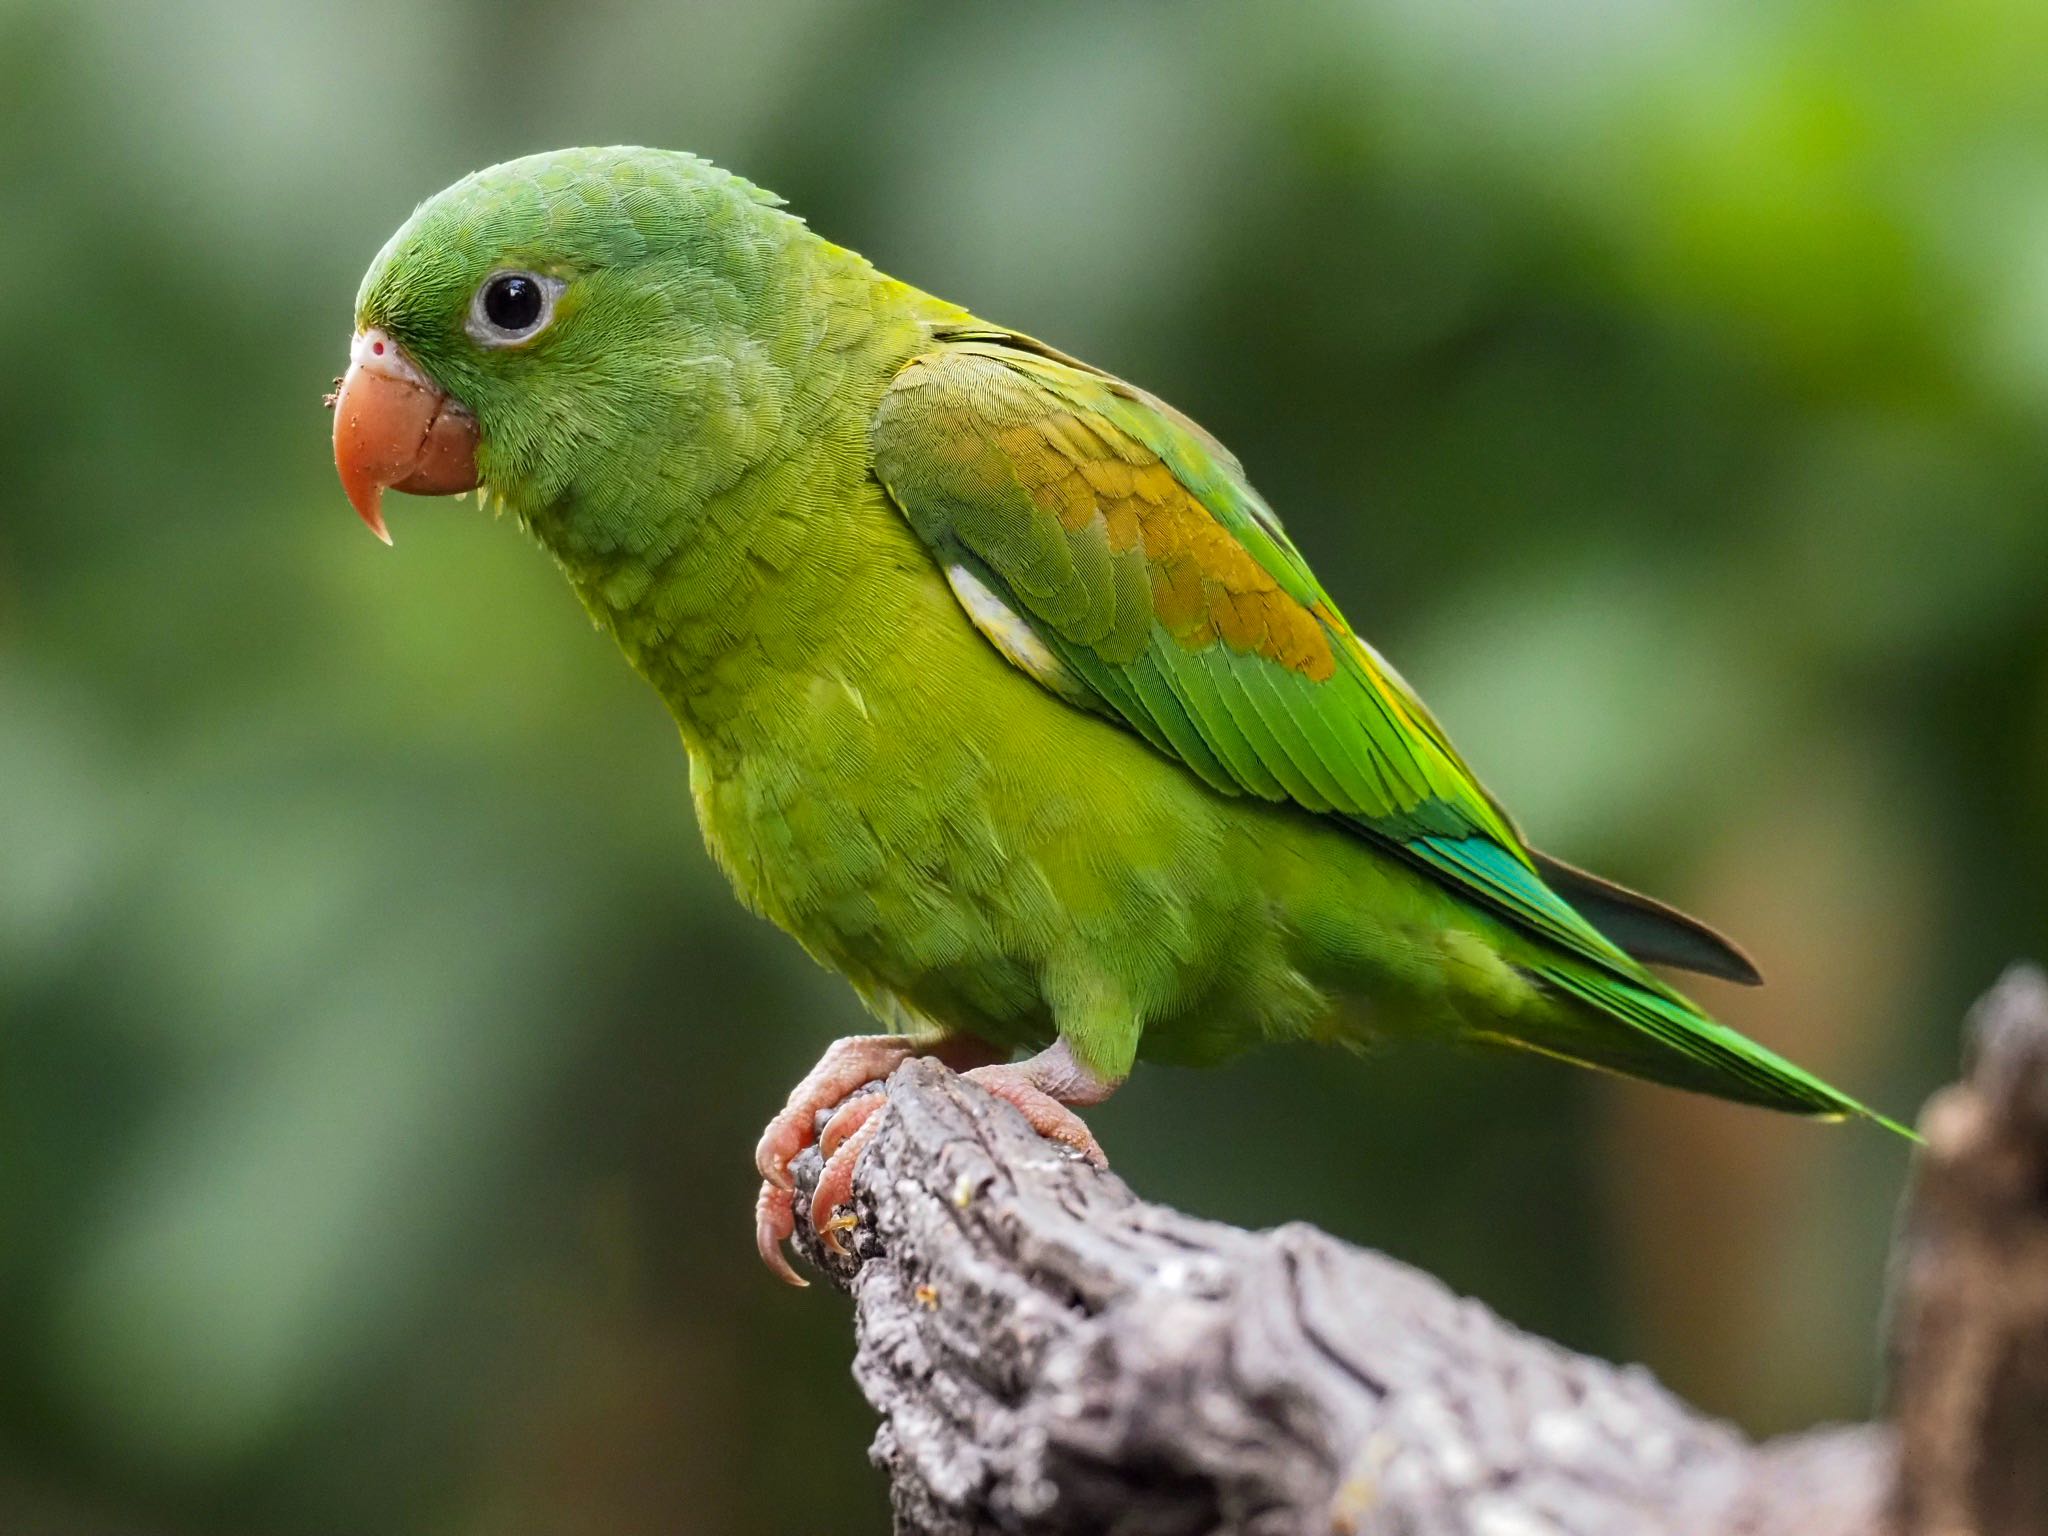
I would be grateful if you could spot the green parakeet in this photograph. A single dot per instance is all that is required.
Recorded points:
(1003, 691)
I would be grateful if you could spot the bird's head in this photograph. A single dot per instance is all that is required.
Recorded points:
(538, 325)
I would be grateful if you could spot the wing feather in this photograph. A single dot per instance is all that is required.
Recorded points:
(1130, 541)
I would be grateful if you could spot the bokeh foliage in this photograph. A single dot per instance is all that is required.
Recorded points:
(1663, 385)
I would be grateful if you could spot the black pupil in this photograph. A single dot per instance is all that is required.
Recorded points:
(512, 303)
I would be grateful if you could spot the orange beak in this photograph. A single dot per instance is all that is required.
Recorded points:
(394, 427)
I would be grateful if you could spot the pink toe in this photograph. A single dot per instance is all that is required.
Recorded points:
(835, 1184)
(1045, 1114)
(777, 1148)
(848, 1119)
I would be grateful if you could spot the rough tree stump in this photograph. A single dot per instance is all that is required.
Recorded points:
(1051, 1354)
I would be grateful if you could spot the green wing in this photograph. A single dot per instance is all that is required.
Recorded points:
(1114, 551)
(1161, 590)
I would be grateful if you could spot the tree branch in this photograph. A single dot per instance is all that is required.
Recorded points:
(1970, 1344)
(1051, 1354)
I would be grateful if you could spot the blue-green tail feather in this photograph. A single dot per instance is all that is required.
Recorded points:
(1645, 1030)
(1617, 1016)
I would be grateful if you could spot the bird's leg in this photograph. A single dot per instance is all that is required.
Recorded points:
(847, 1066)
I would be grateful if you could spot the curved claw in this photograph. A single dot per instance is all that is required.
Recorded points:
(774, 1225)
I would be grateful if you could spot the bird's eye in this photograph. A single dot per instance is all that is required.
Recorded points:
(511, 307)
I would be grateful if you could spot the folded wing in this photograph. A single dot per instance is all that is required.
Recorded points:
(1116, 552)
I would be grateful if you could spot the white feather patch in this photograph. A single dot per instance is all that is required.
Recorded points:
(1017, 640)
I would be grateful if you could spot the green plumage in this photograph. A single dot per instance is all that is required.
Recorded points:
(1004, 692)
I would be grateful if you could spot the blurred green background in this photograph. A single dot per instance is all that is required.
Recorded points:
(1664, 386)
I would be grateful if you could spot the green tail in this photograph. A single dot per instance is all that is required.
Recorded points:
(1642, 1029)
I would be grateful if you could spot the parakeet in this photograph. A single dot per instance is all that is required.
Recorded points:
(1002, 689)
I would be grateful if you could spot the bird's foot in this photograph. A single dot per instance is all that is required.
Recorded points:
(854, 1124)
(1043, 1089)
(847, 1066)
(1022, 1085)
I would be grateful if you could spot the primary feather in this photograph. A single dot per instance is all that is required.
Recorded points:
(1004, 691)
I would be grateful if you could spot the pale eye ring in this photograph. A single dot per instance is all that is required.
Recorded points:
(511, 308)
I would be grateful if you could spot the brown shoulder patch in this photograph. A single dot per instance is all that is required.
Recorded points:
(1206, 586)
